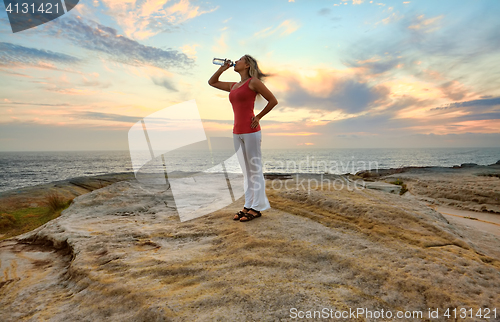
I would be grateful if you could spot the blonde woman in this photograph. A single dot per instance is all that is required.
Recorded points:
(246, 130)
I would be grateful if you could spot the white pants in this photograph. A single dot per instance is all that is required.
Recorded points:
(250, 159)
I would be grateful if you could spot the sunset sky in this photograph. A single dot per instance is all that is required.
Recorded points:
(346, 73)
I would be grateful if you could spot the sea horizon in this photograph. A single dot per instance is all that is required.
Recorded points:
(29, 168)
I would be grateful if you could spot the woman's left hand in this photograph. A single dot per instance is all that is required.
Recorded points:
(255, 122)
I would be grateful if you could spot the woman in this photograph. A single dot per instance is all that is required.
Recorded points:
(246, 130)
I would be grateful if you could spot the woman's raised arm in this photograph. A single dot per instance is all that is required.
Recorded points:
(214, 80)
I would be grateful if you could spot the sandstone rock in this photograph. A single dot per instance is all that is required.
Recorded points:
(120, 253)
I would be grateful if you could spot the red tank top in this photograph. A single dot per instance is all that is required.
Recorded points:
(243, 99)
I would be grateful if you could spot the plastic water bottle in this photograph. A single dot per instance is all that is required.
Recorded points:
(220, 61)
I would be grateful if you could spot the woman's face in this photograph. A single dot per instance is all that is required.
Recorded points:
(240, 64)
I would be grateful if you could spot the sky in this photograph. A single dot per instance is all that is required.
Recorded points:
(347, 74)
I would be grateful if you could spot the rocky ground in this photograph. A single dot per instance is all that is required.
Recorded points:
(120, 253)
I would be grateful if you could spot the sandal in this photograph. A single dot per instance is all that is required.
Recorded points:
(249, 216)
(240, 214)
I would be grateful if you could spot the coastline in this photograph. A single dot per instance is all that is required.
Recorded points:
(382, 179)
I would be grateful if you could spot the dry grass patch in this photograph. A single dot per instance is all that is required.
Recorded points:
(7, 221)
(55, 201)
(19, 217)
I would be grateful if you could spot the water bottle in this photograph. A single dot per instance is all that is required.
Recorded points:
(220, 61)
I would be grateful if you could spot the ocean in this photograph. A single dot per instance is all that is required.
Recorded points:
(21, 169)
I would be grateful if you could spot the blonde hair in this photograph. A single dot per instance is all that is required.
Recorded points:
(254, 70)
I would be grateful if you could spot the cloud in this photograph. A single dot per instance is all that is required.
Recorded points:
(285, 28)
(454, 90)
(146, 19)
(387, 119)
(403, 103)
(221, 45)
(71, 91)
(33, 104)
(104, 116)
(10, 72)
(94, 83)
(476, 117)
(373, 66)
(131, 119)
(288, 27)
(484, 103)
(387, 122)
(32, 136)
(346, 94)
(106, 40)
(11, 55)
(218, 121)
(292, 134)
(369, 123)
(190, 50)
(392, 18)
(164, 82)
(426, 25)
(464, 49)
(183, 10)
(378, 125)
(324, 11)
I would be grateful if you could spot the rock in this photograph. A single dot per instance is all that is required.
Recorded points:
(280, 176)
(382, 186)
(121, 253)
(468, 165)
